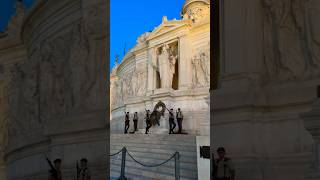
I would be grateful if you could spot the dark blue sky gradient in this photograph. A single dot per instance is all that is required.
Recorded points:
(130, 19)
(7, 9)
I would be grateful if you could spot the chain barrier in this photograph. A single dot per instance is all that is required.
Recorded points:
(156, 165)
(124, 151)
(116, 153)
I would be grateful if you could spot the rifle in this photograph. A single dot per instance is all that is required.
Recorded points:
(53, 171)
(77, 166)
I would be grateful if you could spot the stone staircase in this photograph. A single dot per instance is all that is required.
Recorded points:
(153, 149)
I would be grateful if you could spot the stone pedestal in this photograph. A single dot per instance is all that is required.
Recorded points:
(312, 124)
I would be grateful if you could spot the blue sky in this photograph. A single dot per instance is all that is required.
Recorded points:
(7, 9)
(130, 19)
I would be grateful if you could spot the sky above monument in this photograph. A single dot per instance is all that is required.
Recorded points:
(7, 9)
(130, 19)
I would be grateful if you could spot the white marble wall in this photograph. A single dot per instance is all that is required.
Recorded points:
(256, 116)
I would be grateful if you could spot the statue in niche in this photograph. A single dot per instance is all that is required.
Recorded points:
(287, 52)
(166, 65)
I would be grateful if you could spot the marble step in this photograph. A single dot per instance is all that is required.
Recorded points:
(154, 141)
(157, 156)
(153, 149)
(183, 165)
(169, 137)
(150, 151)
(150, 173)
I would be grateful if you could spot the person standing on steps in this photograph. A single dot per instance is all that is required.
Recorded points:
(179, 117)
(127, 123)
(172, 124)
(135, 121)
(148, 121)
(223, 167)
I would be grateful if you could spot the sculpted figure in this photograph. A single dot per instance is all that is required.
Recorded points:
(201, 71)
(165, 64)
(15, 100)
(173, 60)
(286, 52)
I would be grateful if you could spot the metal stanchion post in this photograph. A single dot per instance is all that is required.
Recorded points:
(177, 166)
(123, 164)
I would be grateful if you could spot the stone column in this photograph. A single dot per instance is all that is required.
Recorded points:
(150, 76)
(185, 70)
(312, 124)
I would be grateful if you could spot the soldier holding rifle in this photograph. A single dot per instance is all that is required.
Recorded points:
(179, 116)
(127, 123)
(148, 121)
(55, 171)
(172, 124)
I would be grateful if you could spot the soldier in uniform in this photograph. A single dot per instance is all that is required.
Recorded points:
(179, 117)
(223, 167)
(172, 124)
(84, 172)
(148, 121)
(127, 123)
(55, 174)
(135, 121)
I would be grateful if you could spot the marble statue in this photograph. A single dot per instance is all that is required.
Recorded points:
(166, 66)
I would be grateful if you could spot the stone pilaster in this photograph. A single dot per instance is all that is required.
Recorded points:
(151, 72)
(185, 69)
(312, 125)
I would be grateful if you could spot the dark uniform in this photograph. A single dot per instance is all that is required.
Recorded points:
(179, 120)
(55, 174)
(148, 121)
(135, 121)
(172, 124)
(127, 123)
(223, 168)
(84, 172)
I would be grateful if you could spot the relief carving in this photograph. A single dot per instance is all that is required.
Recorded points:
(201, 69)
(57, 80)
(290, 52)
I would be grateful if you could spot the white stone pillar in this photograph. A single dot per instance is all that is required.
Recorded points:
(185, 69)
(151, 72)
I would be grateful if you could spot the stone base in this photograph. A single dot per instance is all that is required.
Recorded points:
(313, 175)
(203, 164)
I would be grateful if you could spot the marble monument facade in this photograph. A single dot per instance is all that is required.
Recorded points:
(171, 64)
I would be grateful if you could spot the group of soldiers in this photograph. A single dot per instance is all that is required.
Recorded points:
(172, 124)
(83, 172)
